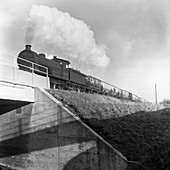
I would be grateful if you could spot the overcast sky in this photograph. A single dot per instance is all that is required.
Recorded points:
(123, 42)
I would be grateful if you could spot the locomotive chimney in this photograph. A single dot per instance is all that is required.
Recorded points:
(55, 57)
(28, 47)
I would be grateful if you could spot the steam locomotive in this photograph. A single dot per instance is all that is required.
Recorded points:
(63, 77)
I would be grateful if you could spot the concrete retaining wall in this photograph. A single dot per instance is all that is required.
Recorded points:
(45, 135)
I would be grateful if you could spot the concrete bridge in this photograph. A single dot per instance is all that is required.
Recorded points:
(38, 132)
(17, 86)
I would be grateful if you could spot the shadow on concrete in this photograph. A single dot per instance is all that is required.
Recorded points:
(83, 161)
(124, 133)
(9, 105)
(135, 135)
(44, 139)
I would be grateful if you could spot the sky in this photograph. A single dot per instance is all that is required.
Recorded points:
(123, 42)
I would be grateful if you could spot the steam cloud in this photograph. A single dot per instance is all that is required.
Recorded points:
(58, 29)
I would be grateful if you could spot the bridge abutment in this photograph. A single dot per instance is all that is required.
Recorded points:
(46, 135)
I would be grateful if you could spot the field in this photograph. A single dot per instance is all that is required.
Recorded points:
(137, 130)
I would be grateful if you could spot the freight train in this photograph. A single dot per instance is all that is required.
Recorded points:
(62, 76)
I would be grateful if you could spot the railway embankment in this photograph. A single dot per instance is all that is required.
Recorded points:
(47, 135)
(97, 106)
(70, 130)
(140, 131)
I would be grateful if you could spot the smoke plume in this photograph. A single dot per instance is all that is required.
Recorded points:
(58, 29)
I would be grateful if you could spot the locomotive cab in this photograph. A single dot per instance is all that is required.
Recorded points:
(64, 63)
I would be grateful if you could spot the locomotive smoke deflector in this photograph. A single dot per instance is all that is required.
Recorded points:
(28, 47)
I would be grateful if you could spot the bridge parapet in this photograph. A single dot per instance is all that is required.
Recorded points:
(10, 72)
(17, 86)
(10, 91)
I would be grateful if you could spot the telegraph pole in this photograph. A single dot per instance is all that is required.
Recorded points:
(156, 94)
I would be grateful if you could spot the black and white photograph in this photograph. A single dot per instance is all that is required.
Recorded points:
(84, 85)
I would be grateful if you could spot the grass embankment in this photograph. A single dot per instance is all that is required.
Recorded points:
(98, 106)
(141, 136)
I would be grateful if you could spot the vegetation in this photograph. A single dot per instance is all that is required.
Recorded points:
(140, 135)
(98, 106)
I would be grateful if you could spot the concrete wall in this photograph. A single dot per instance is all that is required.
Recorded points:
(9, 91)
(22, 77)
(45, 135)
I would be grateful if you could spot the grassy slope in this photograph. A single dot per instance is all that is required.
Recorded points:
(142, 137)
(98, 106)
(139, 135)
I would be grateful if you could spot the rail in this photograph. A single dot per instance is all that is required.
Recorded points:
(12, 63)
(11, 60)
(33, 67)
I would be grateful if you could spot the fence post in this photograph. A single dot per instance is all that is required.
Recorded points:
(47, 79)
(32, 69)
(15, 69)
